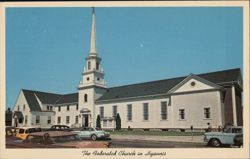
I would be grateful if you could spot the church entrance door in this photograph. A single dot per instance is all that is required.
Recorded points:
(86, 121)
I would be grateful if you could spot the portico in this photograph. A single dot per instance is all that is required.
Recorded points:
(86, 117)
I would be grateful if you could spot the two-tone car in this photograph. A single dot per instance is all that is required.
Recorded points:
(226, 137)
(92, 133)
(23, 132)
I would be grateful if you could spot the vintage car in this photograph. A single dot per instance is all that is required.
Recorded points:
(92, 133)
(226, 137)
(60, 128)
(23, 132)
(9, 130)
(55, 139)
(238, 140)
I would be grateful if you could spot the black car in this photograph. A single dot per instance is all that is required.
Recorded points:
(238, 140)
(60, 128)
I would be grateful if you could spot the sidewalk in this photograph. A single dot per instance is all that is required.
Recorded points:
(196, 139)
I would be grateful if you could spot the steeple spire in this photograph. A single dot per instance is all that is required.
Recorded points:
(93, 74)
(93, 34)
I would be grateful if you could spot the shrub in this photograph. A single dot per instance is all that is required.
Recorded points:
(98, 121)
(118, 121)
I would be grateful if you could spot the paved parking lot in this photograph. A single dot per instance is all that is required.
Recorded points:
(137, 141)
(119, 143)
(192, 139)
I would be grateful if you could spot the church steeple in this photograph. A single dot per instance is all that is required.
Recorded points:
(92, 85)
(93, 50)
(93, 74)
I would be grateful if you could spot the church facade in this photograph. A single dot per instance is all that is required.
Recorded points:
(198, 100)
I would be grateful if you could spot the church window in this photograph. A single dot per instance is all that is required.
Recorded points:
(49, 120)
(24, 107)
(77, 107)
(67, 119)
(20, 120)
(58, 120)
(67, 107)
(48, 107)
(101, 112)
(77, 119)
(129, 112)
(97, 65)
(87, 78)
(59, 108)
(98, 79)
(181, 114)
(163, 110)
(105, 123)
(37, 119)
(26, 119)
(85, 98)
(89, 65)
(18, 108)
(192, 83)
(207, 113)
(114, 111)
(145, 111)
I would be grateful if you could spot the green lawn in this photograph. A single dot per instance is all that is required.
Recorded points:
(156, 133)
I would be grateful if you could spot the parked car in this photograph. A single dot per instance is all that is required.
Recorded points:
(92, 133)
(60, 128)
(55, 139)
(226, 137)
(238, 140)
(9, 130)
(23, 132)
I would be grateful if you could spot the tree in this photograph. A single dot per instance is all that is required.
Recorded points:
(118, 121)
(98, 121)
(9, 110)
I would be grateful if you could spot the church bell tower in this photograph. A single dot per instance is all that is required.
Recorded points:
(92, 84)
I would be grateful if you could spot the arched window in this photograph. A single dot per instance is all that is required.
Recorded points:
(97, 65)
(89, 65)
(85, 97)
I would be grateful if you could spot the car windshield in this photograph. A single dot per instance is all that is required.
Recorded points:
(31, 130)
(233, 130)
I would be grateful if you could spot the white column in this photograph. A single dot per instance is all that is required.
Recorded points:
(220, 114)
(234, 106)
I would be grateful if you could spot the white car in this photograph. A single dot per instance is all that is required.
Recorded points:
(226, 137)
(92, 133)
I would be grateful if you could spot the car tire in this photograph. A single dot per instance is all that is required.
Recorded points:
(93, 137)
(215, 143)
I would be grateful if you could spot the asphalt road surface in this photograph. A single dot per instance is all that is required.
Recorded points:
(119, 143)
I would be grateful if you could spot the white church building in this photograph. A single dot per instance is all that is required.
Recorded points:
(197, 100)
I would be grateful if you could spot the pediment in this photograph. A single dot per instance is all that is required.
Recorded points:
(193, 83)
(84, 110)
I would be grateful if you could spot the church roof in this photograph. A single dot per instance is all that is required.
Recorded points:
(163, 86)
(47, 98)
(68, 98)
(129, 91)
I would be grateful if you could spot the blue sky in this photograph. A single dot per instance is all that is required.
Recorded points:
(46, 47)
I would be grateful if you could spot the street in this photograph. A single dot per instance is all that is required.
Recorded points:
(120, 143)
